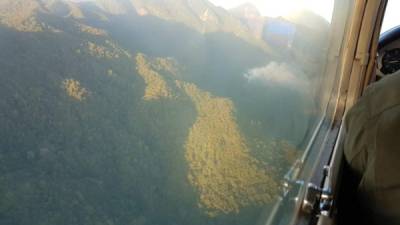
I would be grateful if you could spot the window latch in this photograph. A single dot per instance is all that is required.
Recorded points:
(316, 195)
(312, 195)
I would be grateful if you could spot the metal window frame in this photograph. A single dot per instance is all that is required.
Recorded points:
(363, 71)
(294, 188)
(355, 66)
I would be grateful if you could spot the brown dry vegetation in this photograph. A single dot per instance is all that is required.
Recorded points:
(220, 167)
(101, 51)
(74, 89)
(92, 30)
(166, 64)
(156, 86)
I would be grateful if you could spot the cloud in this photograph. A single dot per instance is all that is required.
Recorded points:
(281, 74)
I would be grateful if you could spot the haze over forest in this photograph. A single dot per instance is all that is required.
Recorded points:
(150, 112)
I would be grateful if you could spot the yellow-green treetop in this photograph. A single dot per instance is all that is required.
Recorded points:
(73, 89)
(220, 165)
(156, 86)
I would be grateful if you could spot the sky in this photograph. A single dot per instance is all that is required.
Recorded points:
(392, 15)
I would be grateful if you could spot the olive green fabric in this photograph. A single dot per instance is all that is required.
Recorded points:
(372, 149)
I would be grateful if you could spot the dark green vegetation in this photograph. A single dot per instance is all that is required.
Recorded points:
(125, 113)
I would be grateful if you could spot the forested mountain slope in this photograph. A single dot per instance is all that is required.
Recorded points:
(123, 112)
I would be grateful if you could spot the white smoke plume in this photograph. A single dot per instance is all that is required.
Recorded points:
(280, 74)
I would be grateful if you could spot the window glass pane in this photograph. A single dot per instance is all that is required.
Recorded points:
(146, 112)
(392, 17)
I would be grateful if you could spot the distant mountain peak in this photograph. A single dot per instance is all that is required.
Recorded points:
(64, 8)
(249, 15)
(246, 10)
(307, 18)
(115, 7)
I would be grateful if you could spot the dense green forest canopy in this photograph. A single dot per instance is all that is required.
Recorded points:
(144, 112)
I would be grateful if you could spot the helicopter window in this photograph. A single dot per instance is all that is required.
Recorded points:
(392, 17)
(388, 61)
(150, 112)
